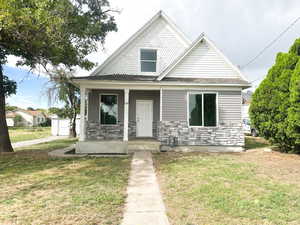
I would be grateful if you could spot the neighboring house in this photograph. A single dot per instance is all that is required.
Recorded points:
(246, 100)
(29, 118)
(61, 126)
(10, 119)
(161, 85)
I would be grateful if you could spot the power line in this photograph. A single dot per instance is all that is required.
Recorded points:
(271, 43)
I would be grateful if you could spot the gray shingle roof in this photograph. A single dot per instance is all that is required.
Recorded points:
(127, 77)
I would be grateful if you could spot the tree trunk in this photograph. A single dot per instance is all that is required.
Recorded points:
(5, 144)
(73, 126)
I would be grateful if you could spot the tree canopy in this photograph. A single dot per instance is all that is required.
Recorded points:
(50, 32)
(275, 107)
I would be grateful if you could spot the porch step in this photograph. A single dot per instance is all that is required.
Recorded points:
(143, 145)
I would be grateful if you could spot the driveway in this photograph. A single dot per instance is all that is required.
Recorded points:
(36, 141)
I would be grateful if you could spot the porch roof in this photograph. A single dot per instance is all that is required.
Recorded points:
(153, 79)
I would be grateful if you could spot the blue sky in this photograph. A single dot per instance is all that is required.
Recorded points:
(31, 88)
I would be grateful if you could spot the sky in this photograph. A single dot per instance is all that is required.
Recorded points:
(240, 29)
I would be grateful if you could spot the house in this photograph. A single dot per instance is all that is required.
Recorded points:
(246, 100)
(161, 85)
(10, 119)
(25, 118)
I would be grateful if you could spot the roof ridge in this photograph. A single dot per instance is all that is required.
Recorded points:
(159, 14)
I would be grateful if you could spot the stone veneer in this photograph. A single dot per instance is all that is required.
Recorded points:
(227, 135)
(96, 131)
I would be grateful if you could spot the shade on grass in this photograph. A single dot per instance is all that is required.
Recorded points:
(36, 189)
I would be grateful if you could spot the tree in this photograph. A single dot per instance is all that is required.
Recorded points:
(65, 91)
(10, 107)
(50, 32)
(270, 111)
(30, 109)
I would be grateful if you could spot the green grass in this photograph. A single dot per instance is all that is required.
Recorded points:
(216, 189)
(47, 146)
(37, 189)
(25, 134)
(255, 142)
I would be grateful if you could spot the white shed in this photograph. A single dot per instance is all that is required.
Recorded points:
(61, 127)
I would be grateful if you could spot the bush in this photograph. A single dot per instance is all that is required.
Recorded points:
(275, 109)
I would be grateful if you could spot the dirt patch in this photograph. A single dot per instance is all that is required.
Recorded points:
(276, 165)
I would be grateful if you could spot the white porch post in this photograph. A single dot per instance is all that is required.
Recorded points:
(126, 109)
(160, 104)
(82, 113)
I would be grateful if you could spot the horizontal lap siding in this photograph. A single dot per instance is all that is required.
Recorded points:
(230, 110)
(173, 105)
(94, 104)
(203, 62)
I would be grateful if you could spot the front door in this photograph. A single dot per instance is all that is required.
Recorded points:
(144, 118)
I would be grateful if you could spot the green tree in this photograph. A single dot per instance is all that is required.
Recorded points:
(50, 32)
(270, 110)
(10, 107)
(65, 91)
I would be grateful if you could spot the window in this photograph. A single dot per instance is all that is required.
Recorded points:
(148, 59)
(202, 109)
(108, 109)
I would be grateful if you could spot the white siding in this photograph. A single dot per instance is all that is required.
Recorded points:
(203, 62)
(158, 36)
(61, 127)
(10, 122)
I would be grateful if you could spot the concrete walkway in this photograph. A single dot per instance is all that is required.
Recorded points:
(36, 141)
(144, 205)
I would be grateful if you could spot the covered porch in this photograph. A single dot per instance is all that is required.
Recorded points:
(114, 120)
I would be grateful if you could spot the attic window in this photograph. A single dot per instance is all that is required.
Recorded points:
(148, 60)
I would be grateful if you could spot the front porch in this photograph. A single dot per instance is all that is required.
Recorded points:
(111, 117)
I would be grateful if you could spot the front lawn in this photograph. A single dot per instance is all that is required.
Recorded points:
(29, 133)
(37, 189)
(248, 188)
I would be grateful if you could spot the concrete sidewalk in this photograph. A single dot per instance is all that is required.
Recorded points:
(37, 141)
(144, 204)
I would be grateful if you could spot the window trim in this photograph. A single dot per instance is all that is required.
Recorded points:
(100, 109)
(139, 61)
(202, 93)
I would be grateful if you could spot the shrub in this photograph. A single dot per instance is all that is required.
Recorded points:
(274, 109)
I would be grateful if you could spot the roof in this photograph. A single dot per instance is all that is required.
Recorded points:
(160, 14)
(10, 115)
(127, 77)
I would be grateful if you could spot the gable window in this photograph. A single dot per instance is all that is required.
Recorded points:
(148, 59)
(202, 109)
(108, 109)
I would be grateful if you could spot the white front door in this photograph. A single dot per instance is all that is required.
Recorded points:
(144, 118)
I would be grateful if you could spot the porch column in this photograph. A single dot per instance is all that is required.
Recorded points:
(82, 113)
(126, 104)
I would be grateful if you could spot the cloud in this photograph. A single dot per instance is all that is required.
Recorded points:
(239, 28)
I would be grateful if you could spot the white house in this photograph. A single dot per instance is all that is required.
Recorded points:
(29, 118)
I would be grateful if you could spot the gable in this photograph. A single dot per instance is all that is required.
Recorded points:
(159, 34)
(203, 61)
